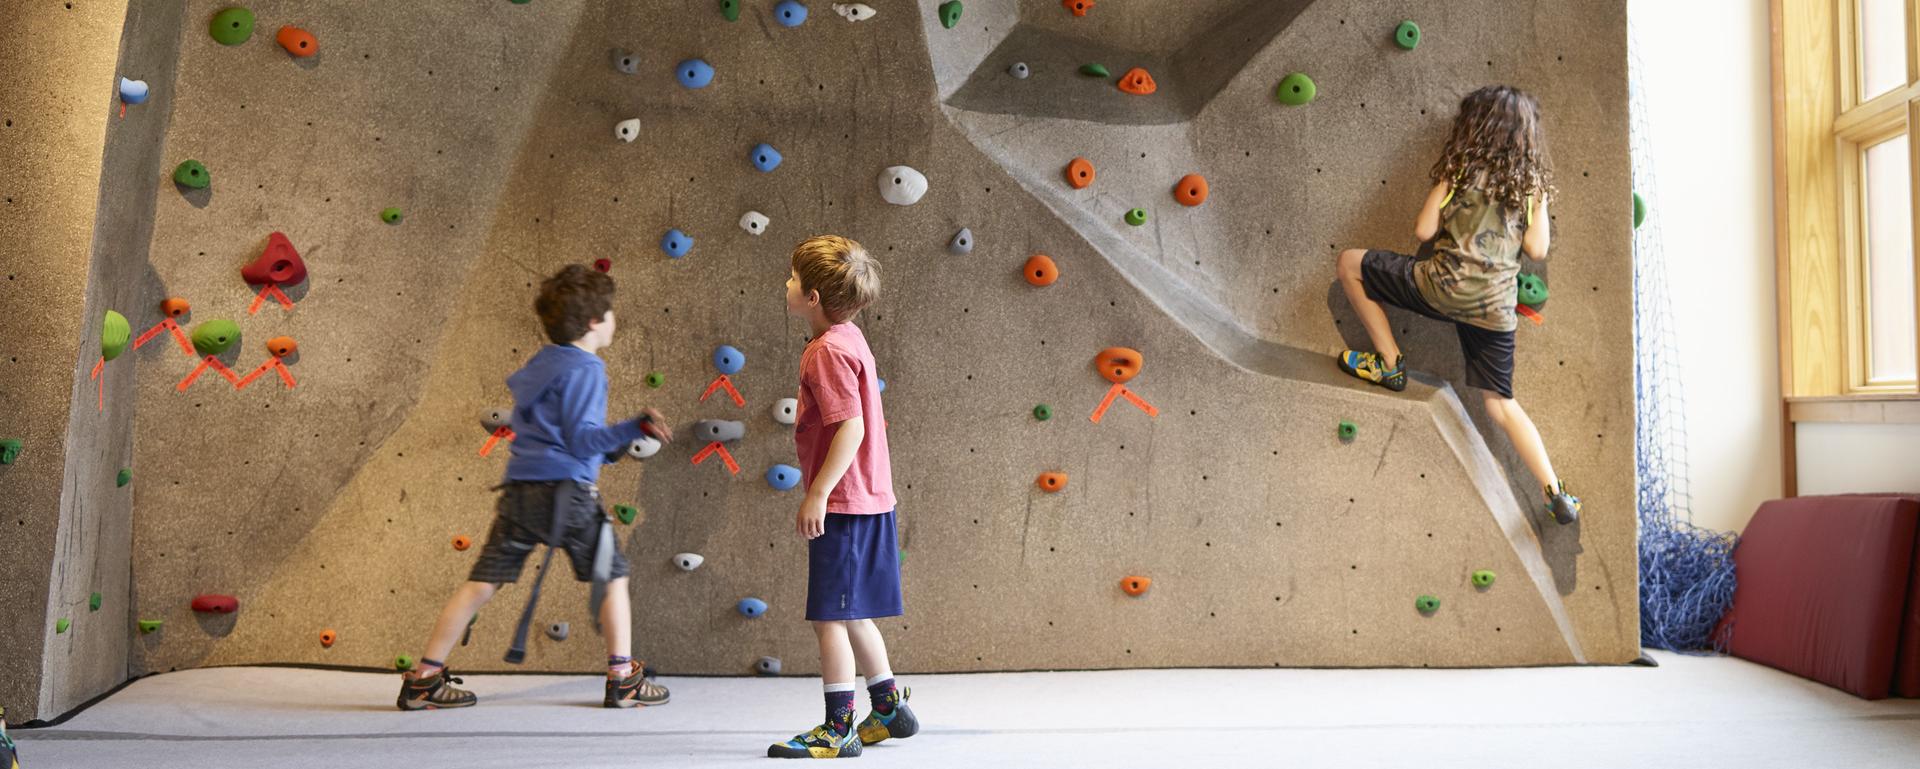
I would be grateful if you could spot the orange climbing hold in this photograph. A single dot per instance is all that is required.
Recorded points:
(282, 346)
(1078, 7)
(1051, 482)
(175, 307)
(327, 637)
(1191, 190)
(1138, 82)
(1119, 364)
(297, 41)
(1080, 173)
(1135, 586)
(1040, 270)
(460, 542)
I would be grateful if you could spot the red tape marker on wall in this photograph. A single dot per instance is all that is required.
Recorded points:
(206, 363)
(501, 433)
(165, 324)
(711, 449)
(1120, 390)
(719, 382)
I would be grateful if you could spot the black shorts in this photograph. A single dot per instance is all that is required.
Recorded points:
(524, 520)
(1388, 278)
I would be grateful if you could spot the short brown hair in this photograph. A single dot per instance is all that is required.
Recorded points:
(571, 300)
(846, 277)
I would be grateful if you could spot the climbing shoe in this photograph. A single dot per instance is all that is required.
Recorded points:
(819, 743)
(898, 723)
(634, 689)
(433, 692)
(1565, 507)
(1373, 368)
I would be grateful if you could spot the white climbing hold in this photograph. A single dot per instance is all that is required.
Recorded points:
(786, 410)
(754, 222)
(627, 130)
(902, 186)
(643, 447)
(854, 11)
(1019, 70)
(688, 561)
(962, 242)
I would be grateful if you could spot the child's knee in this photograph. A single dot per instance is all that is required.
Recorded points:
(1349, 262)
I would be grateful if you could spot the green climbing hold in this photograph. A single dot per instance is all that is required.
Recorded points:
(149, 625)
(93, 602)
(1639, 210)
(1137, 216)
(191, 174)
(1532, 289)
(1096, 69)
(1348, 430)
(232, 26)
(390, 215)
(9, 450)
(1043, 412)
(125, 477)
(61, 625)
(1295, 89)
(1482, 578)
(903, 557)
(215, 336)
(950, 13)
(730, 9)
(655, 379)
(625, 513)
(1426, 604)
(403, 662)
(114, 333)
(1407, 34)
(519, 2)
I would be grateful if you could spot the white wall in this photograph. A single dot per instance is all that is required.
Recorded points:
(1843, 458)
(1704, 67)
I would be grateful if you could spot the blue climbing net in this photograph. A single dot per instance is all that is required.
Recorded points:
(1686, 572)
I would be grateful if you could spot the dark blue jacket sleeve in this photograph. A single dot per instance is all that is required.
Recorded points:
(620, 453)
(583, 416)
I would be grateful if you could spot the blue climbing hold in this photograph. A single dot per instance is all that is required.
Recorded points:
(790, 13)
(133, 91)
(764, 157)
(783, 477)
(728, 359)
(676, 243)
(752, 607)
(883, 383)
(694, 73)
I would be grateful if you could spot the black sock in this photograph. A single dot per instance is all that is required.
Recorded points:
(882, 694)
(840, 711)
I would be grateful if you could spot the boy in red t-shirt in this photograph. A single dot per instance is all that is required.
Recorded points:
(847, 516)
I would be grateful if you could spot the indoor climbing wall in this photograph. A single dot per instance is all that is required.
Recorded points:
(316, 445)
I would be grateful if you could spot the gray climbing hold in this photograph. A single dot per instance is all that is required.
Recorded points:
(688, 561)
(786, 410)
(723, 430)
(643, 447)
(495, 419)
(558, 631)
(1019, 70)
(627, 130)
(626, 63)
(962, 242)
(754, 222)
(767, 666)
(902, 186)
(855, 11)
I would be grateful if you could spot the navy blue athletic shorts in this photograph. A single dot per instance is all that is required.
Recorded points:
(853, 570)
(1388, 278)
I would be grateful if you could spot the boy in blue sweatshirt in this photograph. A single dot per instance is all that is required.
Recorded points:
(560, 441)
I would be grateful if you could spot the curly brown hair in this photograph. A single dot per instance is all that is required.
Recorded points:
(1499, 146)
(571, 300)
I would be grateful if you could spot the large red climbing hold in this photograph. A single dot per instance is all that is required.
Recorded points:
(1118, 364)
(1051, 482)
(1078, 7)
(1040, 270)
(1080, 173)
(1135, 585)
(297, 41)
(279, 264)
(1191, 190)
(216, 604)
(175, 307)
(1138, 82)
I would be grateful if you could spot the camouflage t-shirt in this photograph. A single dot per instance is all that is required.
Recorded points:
(1476, 255)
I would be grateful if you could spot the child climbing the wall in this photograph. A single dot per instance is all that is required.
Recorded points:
(1492, 186)
(549, 496)
(847, 516)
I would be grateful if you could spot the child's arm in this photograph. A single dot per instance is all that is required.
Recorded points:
(812, 520)
(1428, 223)
(583, 410)
(651, 423)
(1538, 230)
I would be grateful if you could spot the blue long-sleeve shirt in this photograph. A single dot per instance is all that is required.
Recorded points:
(559, 418)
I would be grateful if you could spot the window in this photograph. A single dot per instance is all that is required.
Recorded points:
(1883, 46)
(1887, 277)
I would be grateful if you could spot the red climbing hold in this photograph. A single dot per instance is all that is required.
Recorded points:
(603, 264)
(1051, 482)
(217, 604)
(1078, 7)
(297, 41)
(1138, 82)
(1135, 586)
(1118, 364)
(1040, 270)
(175, 307)
(327, 637)
(279, 264)
(1191, 190)
(1079, 173)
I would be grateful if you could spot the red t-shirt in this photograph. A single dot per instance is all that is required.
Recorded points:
(837, 383)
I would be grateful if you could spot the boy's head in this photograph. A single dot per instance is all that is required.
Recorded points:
(834, 274)
(576, 305)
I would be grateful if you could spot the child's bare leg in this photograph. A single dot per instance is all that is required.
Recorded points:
(1506, 413)
(616, 619)
(1372, 315)
(836, 652)
(869, 650)
(454, 618)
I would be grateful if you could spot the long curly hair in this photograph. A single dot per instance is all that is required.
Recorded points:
(1499, 146)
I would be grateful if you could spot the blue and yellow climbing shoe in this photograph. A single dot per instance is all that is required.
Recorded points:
(897, 723)
(1372, 368)
(1565, 507)
(822, 742)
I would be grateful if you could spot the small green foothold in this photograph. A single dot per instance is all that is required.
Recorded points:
(655, 379)
(114, 333)
(1043, 412)
(730, 9)
(9, 450)
(903, 557)
(1482, 578)
(93, 602)
(61, 625)
(1639, 210)
(191, 174)
(215, 336)
(1407, 34)
(519, 2)
(625, 513)
(125, 477)
(950, 13)
(1295, 89)
(1095, 69)
(149, 625)
(1348, 430)
(232, 26)
(390, 215)
(403, 662)
(1427, 604)
(1137, 216)
(1531, 290)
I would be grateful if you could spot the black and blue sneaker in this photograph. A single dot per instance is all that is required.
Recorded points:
(897, 723)
(822, 742)
(1565, 507)
(1369, 366)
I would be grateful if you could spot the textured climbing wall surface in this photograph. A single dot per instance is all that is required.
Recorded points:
(330, 505)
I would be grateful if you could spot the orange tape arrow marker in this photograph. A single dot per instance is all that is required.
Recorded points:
(165, 324)
(272, 363)
(1117, 391)
(208, 362)
(501, 433)
(719, 382)
(272, 289)
(711, 449)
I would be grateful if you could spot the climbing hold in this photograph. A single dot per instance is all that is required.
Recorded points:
(1639, 210)
(175, 307)
(603, 264)
(950, 13)
(655, 379)
(1138, 82)
(694, 73)
(1019, 70)
(730, 9)
(882, 383)
(790, 13)
(1040, 270)
(403, 662)
(1094, 69)
(133, 91)
(391, 215)
(962, 242)
(643, 447)
(902, 186)
(211, 603)
(1119, 364)
(461, 542)
(764, 157)
(1191, 190)
(1426, 604)
(558, 631)
(150, 625)
(855, 11)
(767, 666)
(783, 477)
(1348, 430)
(9, 450)
(278, 264)
(754, 222)
(1078, 7)
(1531, 289)
(1135, 586)
(125, 477)
(1080, 173)
(215, 336)
(1043, 412)
(676, 243)
(626, 513)
(1483, 578)
(625, 63)
(627, 130)
(114, 333)
(231, 26)
(1051, 482)
(93, 602)
(61, 625)
(327, 637)
(688, 561)
(723, 430)
(1136, 216)
(191, 174)
(752, 607)
(785, 410)
(495, 419)
(728, 360)
(297, 41)
(1407, 34)
(1295, 89)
